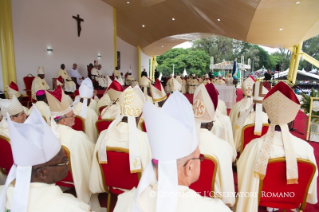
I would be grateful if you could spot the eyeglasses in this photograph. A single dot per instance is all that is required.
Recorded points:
(53, 165)
(201, 158)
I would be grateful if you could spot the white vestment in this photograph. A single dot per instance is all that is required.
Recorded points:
(104, 101)
(111, 112)
(246, 164)
(211, 145)
(92, 105)
(184, 86)
(119, 137)
(90, 120)
(48, 198)
(221, 106)
(69, 85)
(44, 110)
(4, 130)
(120, 80)
(75, 73)
(222, 129)
(188, 201)
(38, 84)
(240, 106)
(250, 119)
(192, 86)
(70, 100)
(81, 153)
(98, 77)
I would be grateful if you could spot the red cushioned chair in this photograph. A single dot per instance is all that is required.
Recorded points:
(292, 195)
(101, 108)
(68, 180)
(79, 124)
(116, 172)
(206, 181)
(247, 134)
(103, 124)
(76, 93)
(6, 157)
(28, 85)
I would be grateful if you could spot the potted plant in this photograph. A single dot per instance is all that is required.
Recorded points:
(314, 126)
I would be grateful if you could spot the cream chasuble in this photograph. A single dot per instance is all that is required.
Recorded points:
(246, 163)
(118, 138)
(211, 145)
(69, 85)
(92, 105)
(38, 84)
(250, 119)
(70, 100)
(4, 130)
(240, 106)
(90, 120)
(221, 106)
(48, 198)
(104, 101)
(44, 110)
(184, 86)
(188, 201)
(97, 75)
(81, 151)
(224, 132)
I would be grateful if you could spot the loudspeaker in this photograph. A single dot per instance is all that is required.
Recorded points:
(277, 67)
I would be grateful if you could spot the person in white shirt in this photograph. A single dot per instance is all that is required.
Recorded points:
(75, 73)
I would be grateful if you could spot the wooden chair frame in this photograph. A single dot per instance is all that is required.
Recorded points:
(243, 137)
(106, 188)
(299, 160)
(8, 140)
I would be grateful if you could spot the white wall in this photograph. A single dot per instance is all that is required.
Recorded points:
(38, 24)
(128, 57)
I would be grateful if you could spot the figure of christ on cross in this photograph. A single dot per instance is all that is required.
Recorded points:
(78, 20)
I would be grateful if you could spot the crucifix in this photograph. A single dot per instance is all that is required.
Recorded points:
(78, 20)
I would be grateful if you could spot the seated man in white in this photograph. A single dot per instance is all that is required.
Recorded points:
(129, 79)
(80, 108)
(96, 74)
(81, 151)
(113, 109)
(242, 106)
(209, 144)
(220, 80)
(255, 116)
(123, 133)
(16, 113)
(75, 73)
(282, 106)
(175, 164)
(39, 83)
(70, 86)
(39, 162)
(229, 80)
(42, 106)
(13, 90)
(117, 76)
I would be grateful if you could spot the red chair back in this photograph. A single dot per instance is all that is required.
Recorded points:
(103, 124)
(116, 172)
(79, 124)
(68, 180)
(290, 196)
(206, 181)
(28, 85)
(247, 134)
(101, 108)
(76, 93)
(6, 157)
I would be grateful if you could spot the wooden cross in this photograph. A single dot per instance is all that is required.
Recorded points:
(78, 20)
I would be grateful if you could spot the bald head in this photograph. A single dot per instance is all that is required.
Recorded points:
(75, 66)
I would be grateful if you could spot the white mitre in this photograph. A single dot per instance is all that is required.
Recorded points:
(203, 106)
(40, 70)
(32, 143)
(131, 103)
(248, 86)
(109, 81)
(86, 90)
(11, 106)
(176, 119)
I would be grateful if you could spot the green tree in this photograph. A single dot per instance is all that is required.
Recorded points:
(311, 47)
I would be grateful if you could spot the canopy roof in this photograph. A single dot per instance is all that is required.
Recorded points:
(271, 23)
